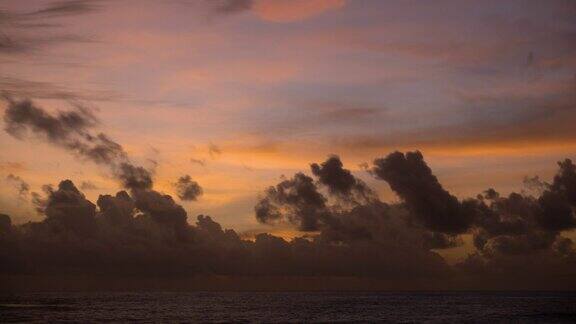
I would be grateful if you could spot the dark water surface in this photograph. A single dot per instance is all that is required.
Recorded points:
(289, 307)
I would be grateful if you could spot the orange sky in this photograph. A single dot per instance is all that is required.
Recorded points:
(487, 93)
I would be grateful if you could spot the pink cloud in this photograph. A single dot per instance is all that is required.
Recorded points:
(293, 10)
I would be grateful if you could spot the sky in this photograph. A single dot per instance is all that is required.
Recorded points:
(242, 94)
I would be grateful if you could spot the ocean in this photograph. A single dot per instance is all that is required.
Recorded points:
(281, 307)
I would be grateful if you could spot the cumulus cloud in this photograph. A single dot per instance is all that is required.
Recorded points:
(519, 224)
(187, 189)
(296, 200)
(133, 177)
(146, 232)
(505, 230)
(68, 209)
(556, 212)
(350, 231)
(351, 210)
(118, 209)
(411, 178)
(341, 182)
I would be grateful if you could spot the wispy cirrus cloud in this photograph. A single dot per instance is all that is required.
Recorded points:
(33, 29)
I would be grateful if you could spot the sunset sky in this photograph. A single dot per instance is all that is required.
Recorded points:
(238, 93)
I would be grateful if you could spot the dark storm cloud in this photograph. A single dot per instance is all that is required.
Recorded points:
(520, 224)
(133, 177)
(524, 232)
(118, 209)
(296, 200)
(410, 177)
(187, 189)
(68, 208)
(5, 223)
(504, 229)
(507, 225)
(145, 232)
(559, 201)
(512, 232)
(300, 202)
(162, 208)
(341, 182)
(72, 130)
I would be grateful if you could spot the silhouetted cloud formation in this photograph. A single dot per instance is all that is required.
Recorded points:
(296, 200)
(71, 130)
(351, 232)
(506, 231)
(68, 209)
(187, 189)
(146, 233)
(341, 182)
(133, 177)
(557, 201)
(300, 201)
(510, 230)
(410, 177)
(23, 114)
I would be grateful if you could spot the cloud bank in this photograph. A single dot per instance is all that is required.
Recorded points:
(349, 231)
